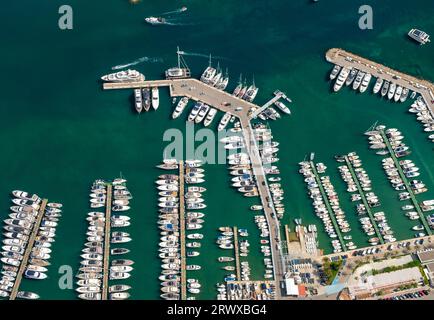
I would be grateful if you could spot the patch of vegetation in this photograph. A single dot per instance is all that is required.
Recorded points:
(411, 264)
(425, 278)
(331, 269)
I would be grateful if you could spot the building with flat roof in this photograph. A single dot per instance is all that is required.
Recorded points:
(291, 289)
(385, 282)
(426, 256)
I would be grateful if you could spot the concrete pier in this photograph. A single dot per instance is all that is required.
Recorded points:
(350, 60)
(28, 250)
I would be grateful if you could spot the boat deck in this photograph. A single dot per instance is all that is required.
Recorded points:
(29, 248)
(107, 236)
(407, 185)
(182, 231)
(365, 202)
(350, 60)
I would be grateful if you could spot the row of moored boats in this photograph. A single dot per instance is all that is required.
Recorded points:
(360, 187)
(401, 173)
(326, 204)
(360, 80)
(23, 228)
(424, 116)
(144, 98)
(91, 270)
(168, 186)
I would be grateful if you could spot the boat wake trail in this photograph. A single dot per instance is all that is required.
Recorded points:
(177, 11)
(135, 62)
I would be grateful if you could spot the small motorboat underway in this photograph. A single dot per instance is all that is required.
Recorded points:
(155, 20)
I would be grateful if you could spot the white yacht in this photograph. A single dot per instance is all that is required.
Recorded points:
(378, 85)
(282, 107)
(392, 89)
(210, 117)
(365, 83)
(180, 107)
(155, 98)
(155, 20)
(224, 121)
(419, 36)
(341, 79)
(357, 82)
(398, 94)
(385, 88)
(138, 100)
(124, 76)
(334, 73)
(202, 113)
(194, 111)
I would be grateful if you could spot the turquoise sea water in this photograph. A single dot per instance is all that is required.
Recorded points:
(60, 131)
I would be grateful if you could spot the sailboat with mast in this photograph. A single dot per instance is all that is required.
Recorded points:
(239, 86)
(181, 70)
(217, 77)
(243, 90)
(209, 73)
(223, 83)
(251, 92)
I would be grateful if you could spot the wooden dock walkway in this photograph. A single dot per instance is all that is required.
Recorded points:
(407, 185)
(329, 208)
(350, 60)
(365, 202)
(237, 254)
(182, 232)
(28, 250)
(107, 236)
